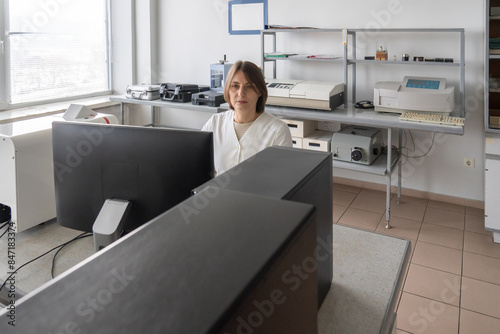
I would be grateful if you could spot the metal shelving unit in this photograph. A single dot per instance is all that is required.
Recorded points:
(349, 37)
(349, 114)
(460, 64)
(344, 59)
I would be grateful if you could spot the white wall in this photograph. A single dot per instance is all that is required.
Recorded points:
(193, 34)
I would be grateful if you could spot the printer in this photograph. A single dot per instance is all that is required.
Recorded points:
(357, 144)
(422, 94)
(305, 94)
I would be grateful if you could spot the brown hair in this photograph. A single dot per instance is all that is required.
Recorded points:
(254, 75)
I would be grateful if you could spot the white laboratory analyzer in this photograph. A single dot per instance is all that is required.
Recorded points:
(305, 94)
(430, 95)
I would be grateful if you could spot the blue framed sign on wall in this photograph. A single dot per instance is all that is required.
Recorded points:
(247, 17)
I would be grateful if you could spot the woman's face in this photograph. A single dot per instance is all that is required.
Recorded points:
(243, 94)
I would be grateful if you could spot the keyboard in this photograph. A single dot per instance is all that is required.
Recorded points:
(431, 118)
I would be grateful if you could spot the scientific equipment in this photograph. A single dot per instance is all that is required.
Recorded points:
(414, 94)
(357, 144)
(218, 74)
(305, 94)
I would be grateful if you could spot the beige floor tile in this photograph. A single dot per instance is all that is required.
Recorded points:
(346, 188)
(342, 197)
(407, 268)
(408, 210)
(481, 244)
(409, 200)
(444, 218)
(483, 268)
(446, 206)
(338, 211)
(438, 257)
(401, 227)
(474, 211)
(475, 224)
(369, 203)
(433, 284)
(361, 219)
(373, 193)
(441, 235)
(474, 323)
(421, 315)
(481, 297)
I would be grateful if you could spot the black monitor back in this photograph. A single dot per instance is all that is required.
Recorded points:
(153, 168)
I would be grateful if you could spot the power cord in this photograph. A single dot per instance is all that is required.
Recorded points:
(80, 236)
(423, 155)
(7, 223)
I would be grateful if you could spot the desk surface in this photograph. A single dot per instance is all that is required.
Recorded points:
(368, 117)
(167, 104)
(368, 271)
(347, 115)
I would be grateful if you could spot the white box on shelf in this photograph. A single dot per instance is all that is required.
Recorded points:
(318, 141)
(297, 142)
(300, 127)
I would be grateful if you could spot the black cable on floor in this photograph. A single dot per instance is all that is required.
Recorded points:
(81, 236)
(5, 224)
(38, 257)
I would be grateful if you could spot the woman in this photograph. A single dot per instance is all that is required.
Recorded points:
(246, 128)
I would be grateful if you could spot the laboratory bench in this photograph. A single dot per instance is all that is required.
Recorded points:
(154, 104)
(384, 165)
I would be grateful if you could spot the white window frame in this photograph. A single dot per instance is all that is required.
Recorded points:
(5, 72)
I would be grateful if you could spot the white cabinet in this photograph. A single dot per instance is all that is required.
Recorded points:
(492, 119)
(27, 171)
(26, 168)
(492, 185)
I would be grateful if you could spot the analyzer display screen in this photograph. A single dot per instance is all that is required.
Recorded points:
(425, 84)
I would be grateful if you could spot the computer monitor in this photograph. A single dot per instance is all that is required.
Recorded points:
(152, 168)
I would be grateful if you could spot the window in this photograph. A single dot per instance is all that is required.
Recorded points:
(54, 49)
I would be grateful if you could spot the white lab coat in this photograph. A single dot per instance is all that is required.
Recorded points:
(265, 131)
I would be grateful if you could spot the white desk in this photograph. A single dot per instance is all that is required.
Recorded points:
(371, 118)
(383, 166)
(163, 104)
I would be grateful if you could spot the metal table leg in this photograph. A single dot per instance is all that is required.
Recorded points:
(122, 111)
(400, 164)
(153, 116)
(388, 177)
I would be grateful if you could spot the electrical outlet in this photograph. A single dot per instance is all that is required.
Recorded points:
(469, 162)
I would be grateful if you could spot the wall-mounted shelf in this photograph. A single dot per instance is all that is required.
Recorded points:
(386, 164)
(349, 37)
(400, 62)
(341, 59)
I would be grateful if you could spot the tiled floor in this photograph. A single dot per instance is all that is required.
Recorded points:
(453, 280)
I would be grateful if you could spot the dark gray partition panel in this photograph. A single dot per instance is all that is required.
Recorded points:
(293, 174)
(221, 261)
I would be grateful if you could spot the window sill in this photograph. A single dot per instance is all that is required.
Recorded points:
(12, 115)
